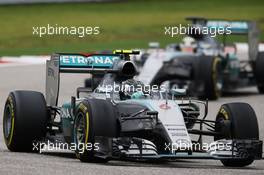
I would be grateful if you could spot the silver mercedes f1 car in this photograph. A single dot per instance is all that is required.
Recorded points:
(127, 123)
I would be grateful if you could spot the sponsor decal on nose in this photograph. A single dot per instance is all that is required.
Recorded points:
(165, 106)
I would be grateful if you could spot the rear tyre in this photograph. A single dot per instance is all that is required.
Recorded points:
(25, 120)
(88, 82)
(237, 121)
(92, 82)
(259, 72)
(210, 76)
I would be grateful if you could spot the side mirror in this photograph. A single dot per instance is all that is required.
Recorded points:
(152, 112)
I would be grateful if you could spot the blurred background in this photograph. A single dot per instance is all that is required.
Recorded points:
(123, 23)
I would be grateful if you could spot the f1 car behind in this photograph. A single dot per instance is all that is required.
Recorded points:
(128, 124)
(203, 65)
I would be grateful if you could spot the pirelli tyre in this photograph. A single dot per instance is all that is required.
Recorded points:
(210, 75)
(231, 121)
(259, 72)
(91, 121)
(24, 121)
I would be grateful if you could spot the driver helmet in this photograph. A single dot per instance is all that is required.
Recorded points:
(132, 89)
(189, 42)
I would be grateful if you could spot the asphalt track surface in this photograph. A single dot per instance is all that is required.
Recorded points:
(33, 78)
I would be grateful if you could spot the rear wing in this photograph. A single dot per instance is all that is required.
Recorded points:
(78, 63)
(74, 63)
(237, 27)
(243, 27)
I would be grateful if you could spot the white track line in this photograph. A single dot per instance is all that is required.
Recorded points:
(22, 60)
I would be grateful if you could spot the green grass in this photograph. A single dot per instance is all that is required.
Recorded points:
(129, 24)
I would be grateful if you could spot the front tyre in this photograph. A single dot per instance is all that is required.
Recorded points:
(25, 120)
(94, 118)
(237, 121)
(83, 134)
